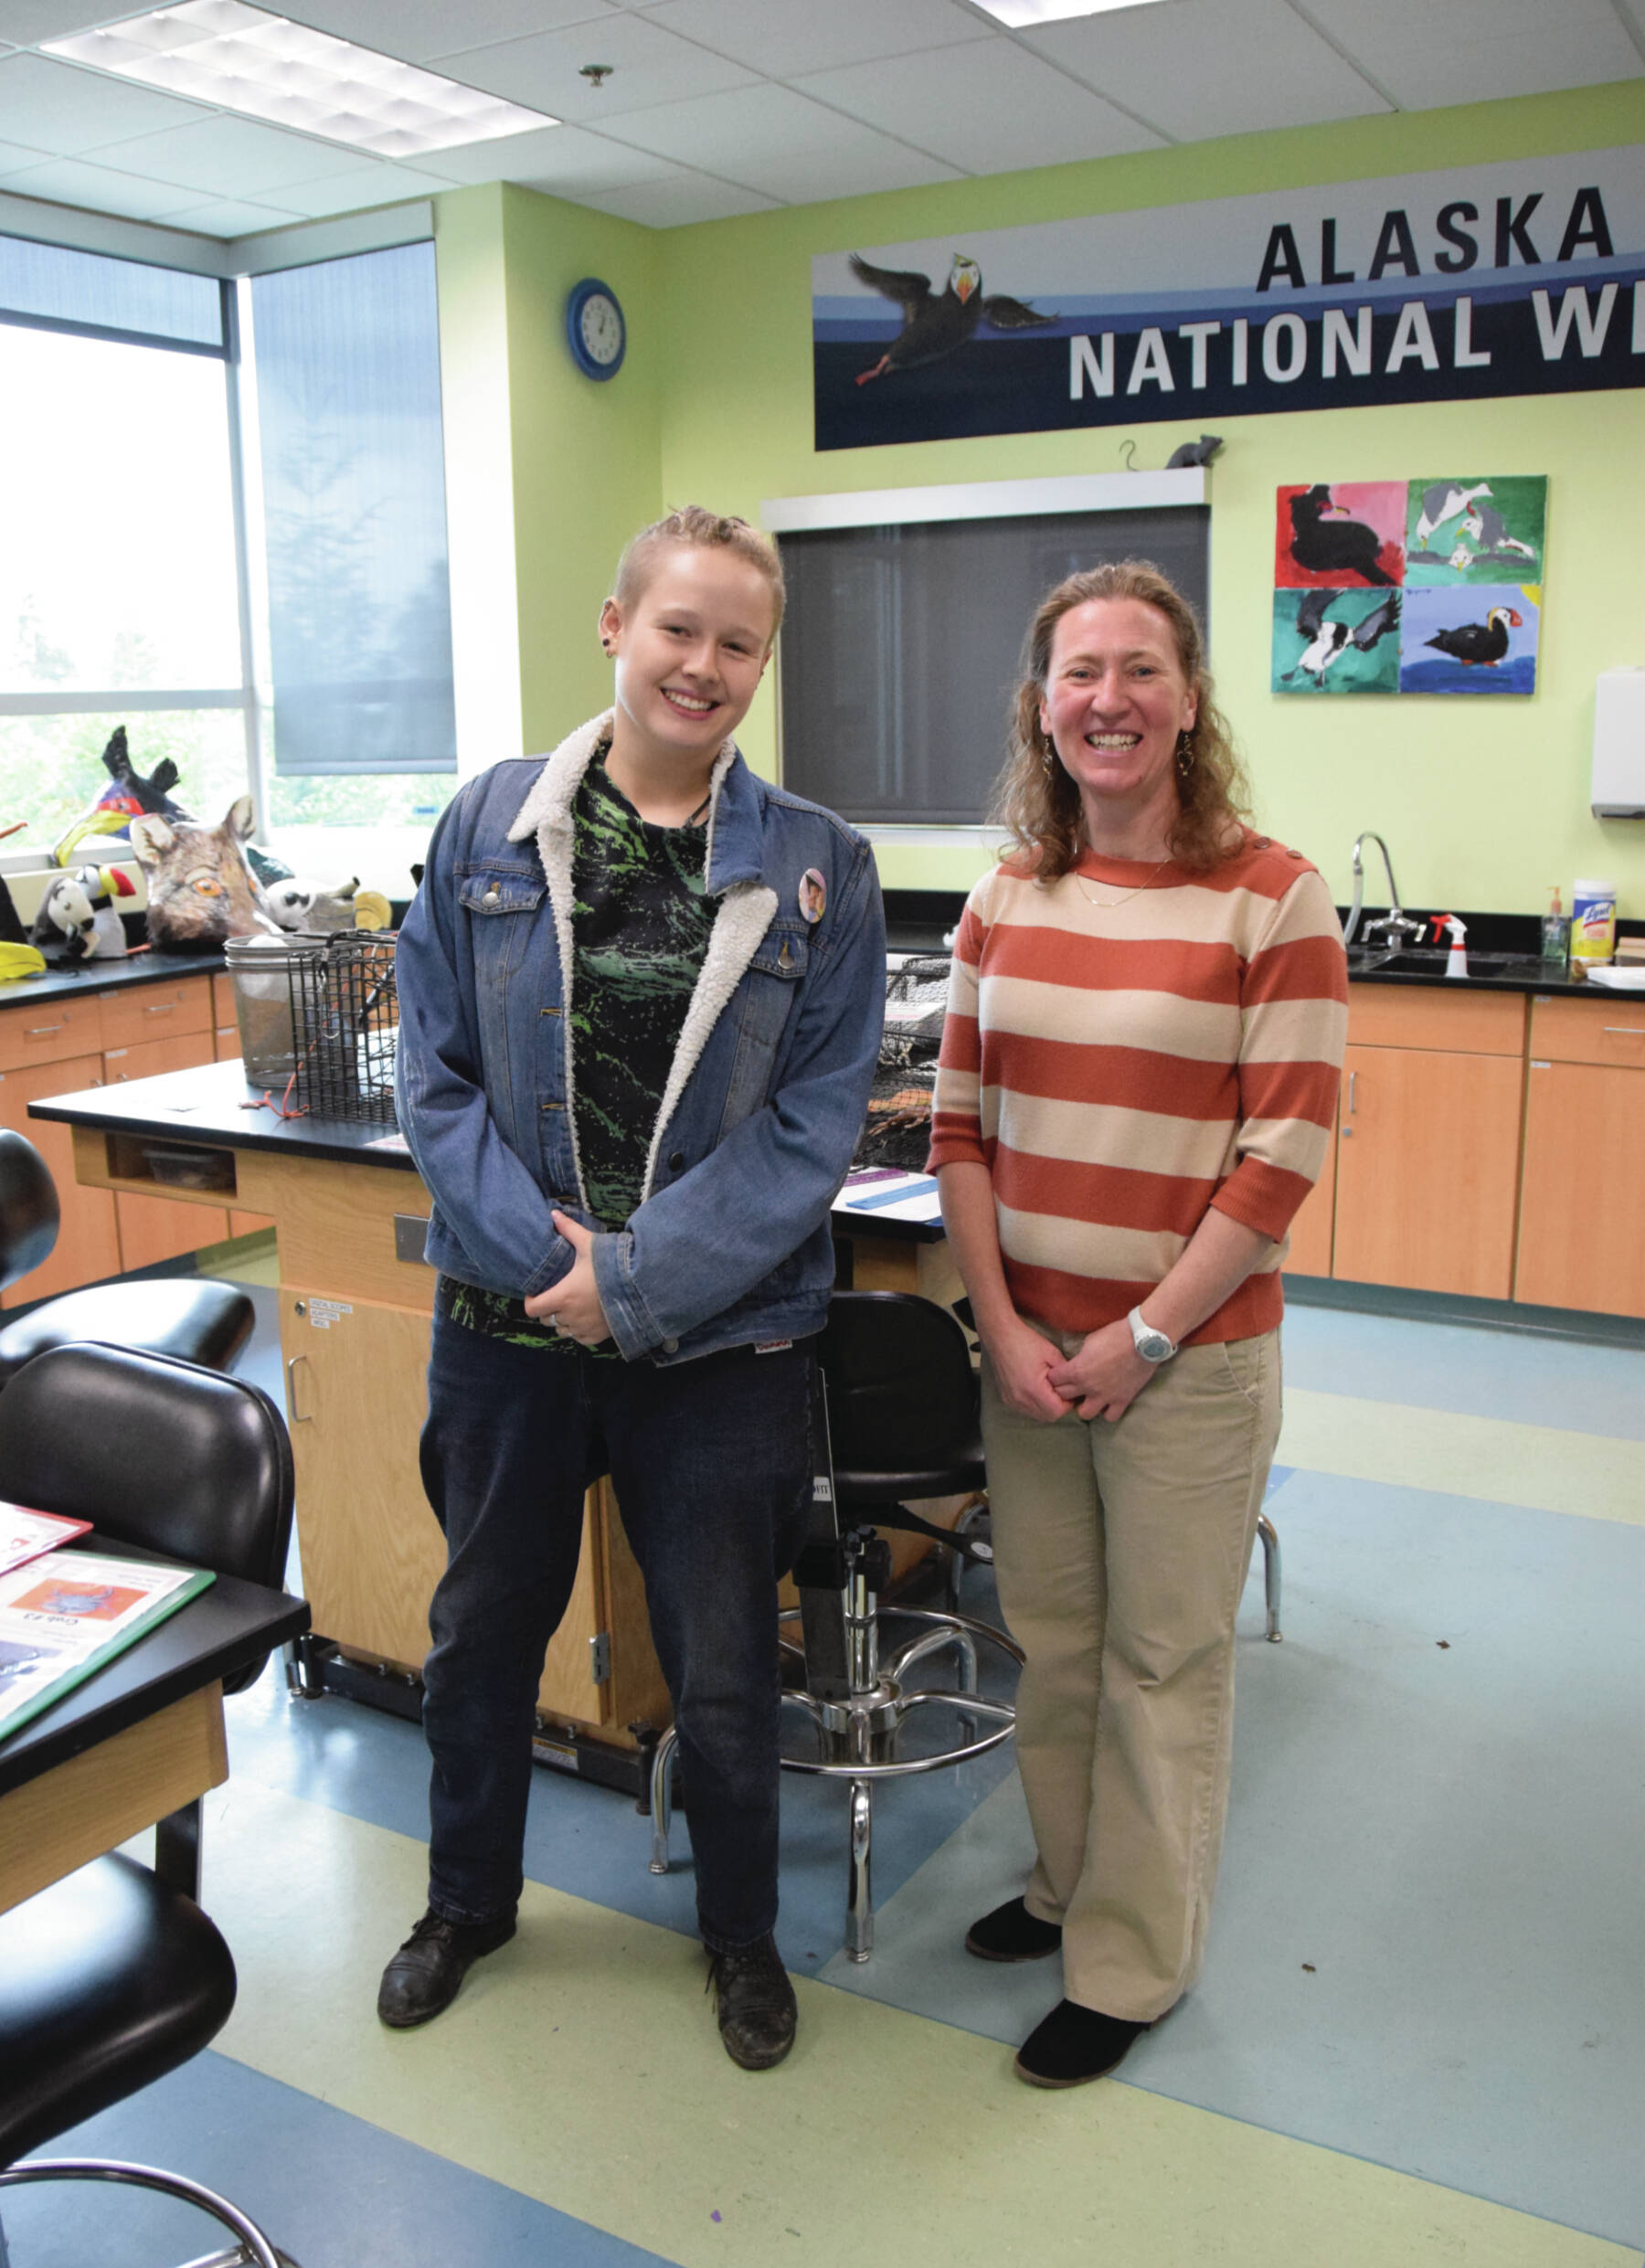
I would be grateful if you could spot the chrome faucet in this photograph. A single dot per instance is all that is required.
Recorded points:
(1396, 924)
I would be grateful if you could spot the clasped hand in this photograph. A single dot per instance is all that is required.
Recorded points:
(1101, 1378)
(573, 1303)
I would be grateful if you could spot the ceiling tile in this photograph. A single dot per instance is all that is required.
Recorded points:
(672, 204)
(1196, 68)
(228, 217)
(348, 193)
(67, 109)
(649, 65)
(235, 157)
(97, 188)
(777, 142)
(567, 155)
(985, 108)
(416, 29)
(785, 42)
(25, 22)
(13, 156)
(1428, 53)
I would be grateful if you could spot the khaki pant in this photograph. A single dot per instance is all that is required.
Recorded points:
(1121, 1552)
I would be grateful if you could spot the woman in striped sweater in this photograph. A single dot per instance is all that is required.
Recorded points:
(1138, 1081)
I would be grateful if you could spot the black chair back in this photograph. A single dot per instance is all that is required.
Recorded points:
(29, 1208)
(902, 1398)
(158, 1452)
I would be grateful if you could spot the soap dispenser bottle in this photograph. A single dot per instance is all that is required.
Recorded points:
(1556, 932)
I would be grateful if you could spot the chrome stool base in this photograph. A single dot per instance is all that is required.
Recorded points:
(856, 1737)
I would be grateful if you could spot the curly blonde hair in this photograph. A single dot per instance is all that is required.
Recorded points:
(1034, 797)
(693, 524)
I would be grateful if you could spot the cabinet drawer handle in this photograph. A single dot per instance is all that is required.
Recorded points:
(40, 1031)
(299, 1417)
(1353, 1084)
(1626, 1031)
(163, 1008)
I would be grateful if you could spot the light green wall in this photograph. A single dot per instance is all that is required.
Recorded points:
(547, 473)
(1483, 803)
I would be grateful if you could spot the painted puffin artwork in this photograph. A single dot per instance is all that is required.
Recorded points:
(936, 323)
(1482, 641)
(1479, 645)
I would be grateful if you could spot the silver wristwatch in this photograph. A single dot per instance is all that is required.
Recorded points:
(1151, 1344)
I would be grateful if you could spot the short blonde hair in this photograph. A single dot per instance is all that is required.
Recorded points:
(1034, 797)
(692, 523)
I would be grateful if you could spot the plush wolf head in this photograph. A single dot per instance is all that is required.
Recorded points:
(200, 887)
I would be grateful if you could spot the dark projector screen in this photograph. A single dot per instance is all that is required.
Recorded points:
(901, 645)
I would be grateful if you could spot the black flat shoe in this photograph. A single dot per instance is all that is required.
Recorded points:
(424, 1975)
(1012, 1933)
(758, 2012)
(1074, 2044)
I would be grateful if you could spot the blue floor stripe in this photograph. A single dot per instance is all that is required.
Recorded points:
(330, 2189)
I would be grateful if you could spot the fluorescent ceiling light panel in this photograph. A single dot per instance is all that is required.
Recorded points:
(243, 58)
(1023, 15)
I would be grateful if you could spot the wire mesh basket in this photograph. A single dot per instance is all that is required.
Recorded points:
(898, 1127)
(345, 1027)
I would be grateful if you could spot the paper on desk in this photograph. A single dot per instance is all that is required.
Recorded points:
(63, 1615)
(909, 1197)
(24, 1535)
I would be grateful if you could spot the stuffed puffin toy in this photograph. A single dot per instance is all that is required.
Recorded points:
(78, 905)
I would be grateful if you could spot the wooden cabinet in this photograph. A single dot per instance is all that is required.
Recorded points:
(161, 1228)
(1428, 1140)
(355, 1360)
(1582, 1217)
(87, 1244)
(56, 1045)
(1308, 1250)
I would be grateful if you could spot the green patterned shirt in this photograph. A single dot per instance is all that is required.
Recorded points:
(640, 925)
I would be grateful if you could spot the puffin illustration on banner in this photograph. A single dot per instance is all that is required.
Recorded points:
(934, 324)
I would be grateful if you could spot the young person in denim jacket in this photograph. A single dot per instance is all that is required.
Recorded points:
(640, 994)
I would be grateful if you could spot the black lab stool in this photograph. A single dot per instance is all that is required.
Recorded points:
(895, 1417)
(194, 1319)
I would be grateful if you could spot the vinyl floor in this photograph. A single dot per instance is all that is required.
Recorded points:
(1420, 2035)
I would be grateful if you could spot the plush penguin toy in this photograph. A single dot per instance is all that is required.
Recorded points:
(78, 905)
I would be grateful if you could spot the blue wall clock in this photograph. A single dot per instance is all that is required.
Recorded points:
(595, 329)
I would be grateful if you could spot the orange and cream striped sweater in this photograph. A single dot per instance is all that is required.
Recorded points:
(1122, 1069)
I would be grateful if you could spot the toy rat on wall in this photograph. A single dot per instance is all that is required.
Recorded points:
(78, 904)
(200, 888)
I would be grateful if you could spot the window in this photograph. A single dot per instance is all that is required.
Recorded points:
(119, 593)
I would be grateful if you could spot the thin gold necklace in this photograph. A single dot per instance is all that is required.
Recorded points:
(1109, 904)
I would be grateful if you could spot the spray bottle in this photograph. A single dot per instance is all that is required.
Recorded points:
(1556, 931)
(1456, 961)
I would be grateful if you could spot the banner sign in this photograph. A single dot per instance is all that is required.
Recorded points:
(1526, 277)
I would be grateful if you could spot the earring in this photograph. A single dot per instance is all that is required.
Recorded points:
(1184, 756)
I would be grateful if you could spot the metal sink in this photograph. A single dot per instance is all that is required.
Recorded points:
(1421, 960)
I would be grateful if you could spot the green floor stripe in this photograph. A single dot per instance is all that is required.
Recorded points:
(1498, 1460)
(580, 2066)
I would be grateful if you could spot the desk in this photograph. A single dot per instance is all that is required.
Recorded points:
(355, 1299)
(141, 1738)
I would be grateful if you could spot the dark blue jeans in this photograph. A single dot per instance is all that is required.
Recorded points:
(711, 1465)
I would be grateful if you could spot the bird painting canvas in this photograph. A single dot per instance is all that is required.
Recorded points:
(1483, 640)
(1476, 529)
(1336, 641)
(1340, 535)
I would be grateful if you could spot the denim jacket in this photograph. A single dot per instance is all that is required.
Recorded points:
(765, 1098)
